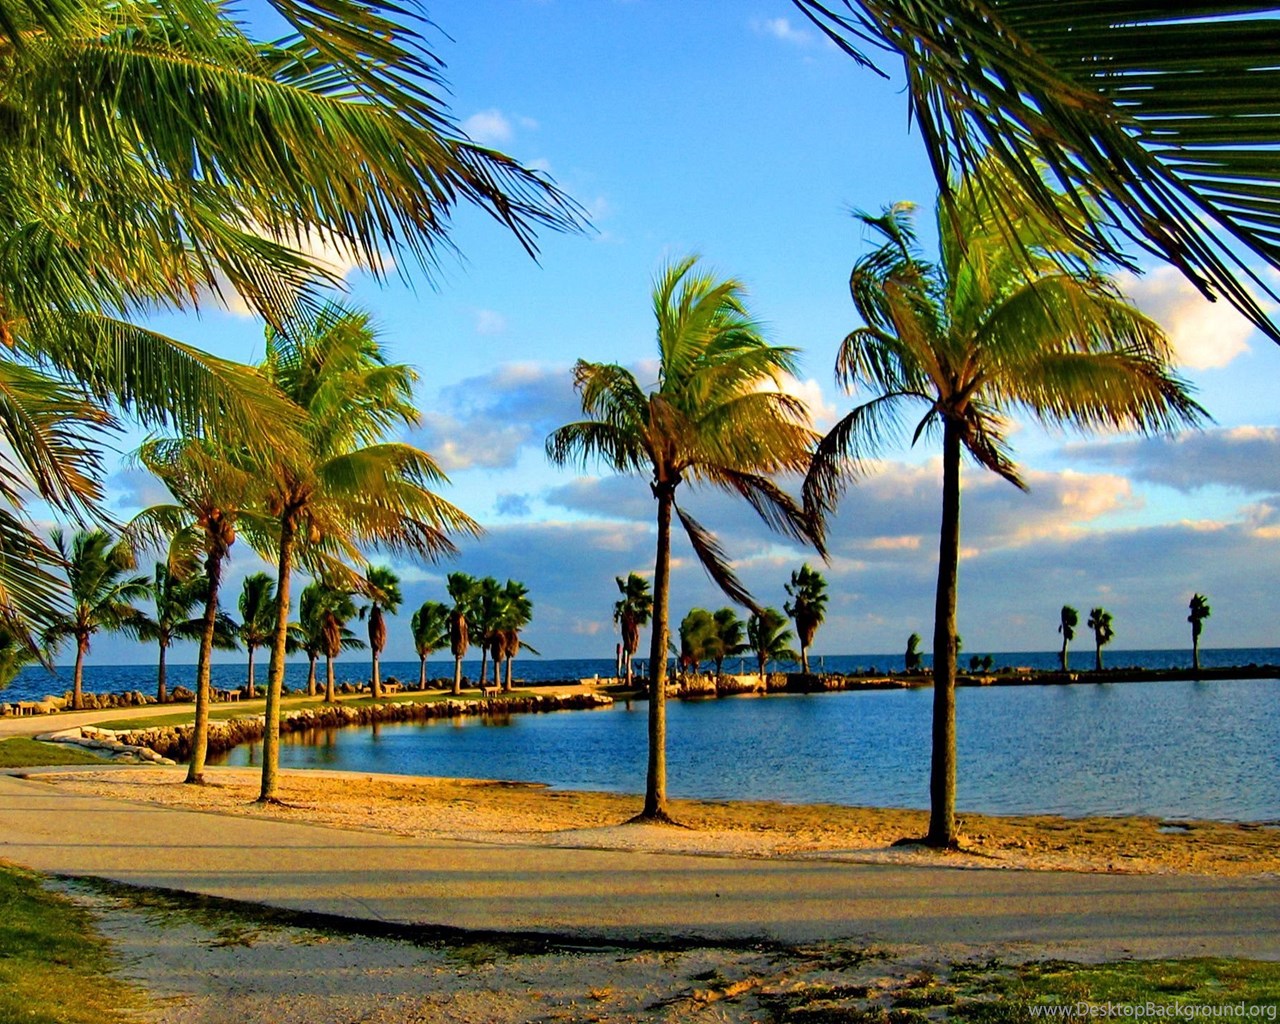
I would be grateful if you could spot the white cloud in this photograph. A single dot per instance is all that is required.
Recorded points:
(1205, 334)
(489, 127)
(489, 322)
(781, 28)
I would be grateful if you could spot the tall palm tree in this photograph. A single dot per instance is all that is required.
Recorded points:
(178, 588)
(729, 637)
(430, 628)
(345, 486)
(382, 588)
(808, 607)
(213, 496)
(1200, 611)
(1068, 619)
(102, 593)
(630, 613)
(710, 418)
(983, 333)
(1155, 120)
(485, 612)
(258, 617)
(769, 638)
(1103, 633)
(463, 589)
(323, 614)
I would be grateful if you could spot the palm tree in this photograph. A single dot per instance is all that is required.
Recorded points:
(213, 495)
(485, 611)
(157, 154)
(337, 607)
(631, 612)
(102, 593)
(729, 637)
(430, 626)
(515, 612)
(1100, 622)
(258, 617)
(974, 338)
(1153, 119)
(911, 660)
(462, 588)
(382, 587)
(699, 641)
(808, 607)
(179, 588)
(769, 638)
(344, 486)
(1200, 611)
(1068, 620)
(709, 419)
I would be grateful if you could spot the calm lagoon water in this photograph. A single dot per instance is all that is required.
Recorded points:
(1170, 749)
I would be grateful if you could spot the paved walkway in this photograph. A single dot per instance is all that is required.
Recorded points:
(596, 895)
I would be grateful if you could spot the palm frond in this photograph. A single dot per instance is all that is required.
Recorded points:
(1157, 123)
(715, 561)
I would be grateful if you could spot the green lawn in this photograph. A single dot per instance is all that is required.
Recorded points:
(53, 965)
(21, 752)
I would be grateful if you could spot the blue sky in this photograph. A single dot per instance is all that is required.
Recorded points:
(733, 130)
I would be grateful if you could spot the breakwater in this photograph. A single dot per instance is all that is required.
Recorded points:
(174, 741)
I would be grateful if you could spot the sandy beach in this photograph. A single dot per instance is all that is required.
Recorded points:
(531, 814)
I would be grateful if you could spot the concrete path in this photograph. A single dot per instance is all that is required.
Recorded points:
(597, 895)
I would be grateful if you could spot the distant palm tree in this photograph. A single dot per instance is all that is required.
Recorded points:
(1100, 623)
(515, 611)
(1068, 620)
(430, 627)
(485, 611)
(259, 613)
(102, 593)
(991, 329)
(323, 613)
(178, 589)
(911, 660)
(807, 607)
(717, 416)
(1199, 612)
(463, 589)
(729, 637)
(382, 587)
(699, 640)
(631, 612)
(769, 638)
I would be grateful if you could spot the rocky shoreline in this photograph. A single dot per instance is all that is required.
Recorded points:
(170, 743)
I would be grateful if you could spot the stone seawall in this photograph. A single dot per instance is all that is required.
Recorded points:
(175, 741)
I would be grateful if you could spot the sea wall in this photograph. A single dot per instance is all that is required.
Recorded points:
(175, 741)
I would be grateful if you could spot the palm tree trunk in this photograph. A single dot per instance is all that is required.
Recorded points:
(1063, 656)
(1195, 650)
(422, 673)
(330, 692)
(484, 665)
(655, 789)
(457, 674)
(942, 780)
(162, 676)
(200, 733)
(251, 689)
(507, 684)
(375, 649)
(627, 657)
(804, 658)
(311, 675)
(77, 691)
(1097, 657)
(275, 670)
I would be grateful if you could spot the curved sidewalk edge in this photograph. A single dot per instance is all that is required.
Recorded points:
(448, 888)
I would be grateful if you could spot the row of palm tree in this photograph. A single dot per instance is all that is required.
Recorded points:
(990, 329)
(1101, 622)
(490, 615)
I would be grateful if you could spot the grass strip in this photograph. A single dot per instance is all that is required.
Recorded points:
(53, 964)
(20, 752)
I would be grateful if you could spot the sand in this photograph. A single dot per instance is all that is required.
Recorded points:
(526, 813)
